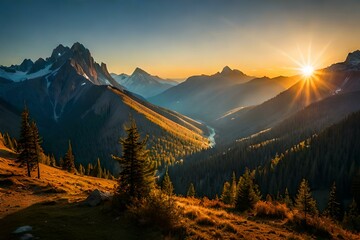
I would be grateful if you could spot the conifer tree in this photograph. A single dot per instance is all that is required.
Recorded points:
(352, 217)
(225, 195)
(27, 154)
(52, 161)
(191, 191)
(37, 145)
(137, 175)
(81, 170)
(232, 189)
(304, 201)
(333, 207)
(89, 169)
(98, 171)
(248, 193)
(69, 160)
(61, 162)
(287, 199)
(167, 186)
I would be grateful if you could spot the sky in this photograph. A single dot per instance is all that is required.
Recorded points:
(180, 38)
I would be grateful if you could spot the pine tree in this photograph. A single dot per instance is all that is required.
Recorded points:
(248, 193)
(37, 145)
(304, 201)
(61, 162)
(191, 191)
(52, 161)
(137, 175)
(69, 160)
(352, 218)
(167, 186)
(225, 195)
(233, 189)
(287, 200)
(333, 207)
(27, 154)
(98, 171)
(81, 170)
(89, 169)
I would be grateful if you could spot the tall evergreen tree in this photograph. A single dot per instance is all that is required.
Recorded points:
(191, 191)
(225, 195)
(98, 171)
(304, 201)
(167, 186)
(52, 161)
(232, 189)
(37, 145)
(89, 169)
(137, 175)
(248, 193)
(69, 160)
(81, 170)
(287, 199)
(27, 154)
(333, 207)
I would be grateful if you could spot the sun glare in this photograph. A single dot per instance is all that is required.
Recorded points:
(307, 70)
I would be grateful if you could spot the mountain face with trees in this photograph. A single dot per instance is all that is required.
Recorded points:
(77, 99)
(321, 159)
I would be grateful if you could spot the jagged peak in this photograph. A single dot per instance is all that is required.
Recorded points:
(353, 57)
(139, 71)
(226, 69)
(78, 46)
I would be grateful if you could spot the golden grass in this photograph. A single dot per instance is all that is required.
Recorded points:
(204, 219)
(17, 191)
(168, 125)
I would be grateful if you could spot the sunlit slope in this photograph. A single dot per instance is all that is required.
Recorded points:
(195, 136)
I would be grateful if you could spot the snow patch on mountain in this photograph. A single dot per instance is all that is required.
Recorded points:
(18, 76)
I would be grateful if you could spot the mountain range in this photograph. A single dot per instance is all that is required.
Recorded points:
(72, 97)
(208, 98)
(142, 83)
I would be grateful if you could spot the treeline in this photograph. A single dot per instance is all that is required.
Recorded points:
(31, 153)
(331, 156)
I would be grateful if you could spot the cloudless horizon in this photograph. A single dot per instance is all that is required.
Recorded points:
(177, 39)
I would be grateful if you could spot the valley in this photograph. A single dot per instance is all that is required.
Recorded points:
(179, 120)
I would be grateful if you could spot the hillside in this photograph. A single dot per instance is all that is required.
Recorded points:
(53, 207)
(339, 78)
(68, 104)
(210, 97)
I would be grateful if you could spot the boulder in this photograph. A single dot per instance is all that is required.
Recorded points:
(97, 197)
(23, 229)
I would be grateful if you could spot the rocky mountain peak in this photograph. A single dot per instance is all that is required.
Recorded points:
(353, 58)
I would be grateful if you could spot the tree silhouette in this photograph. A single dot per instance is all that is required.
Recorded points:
(136, 178)
(304, 201)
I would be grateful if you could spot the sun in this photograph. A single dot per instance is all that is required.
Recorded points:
(307, 70)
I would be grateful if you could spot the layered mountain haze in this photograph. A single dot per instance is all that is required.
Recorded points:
(142, 83)
(211, 97)
(339, 78)
(74, 98)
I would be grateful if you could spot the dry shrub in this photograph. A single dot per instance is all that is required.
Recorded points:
(271, 210)
(313, 225)
(205, 221)
(155, 210)
(191, 214)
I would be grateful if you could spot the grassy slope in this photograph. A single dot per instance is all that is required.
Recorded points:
(196, 136)
(52, 206)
